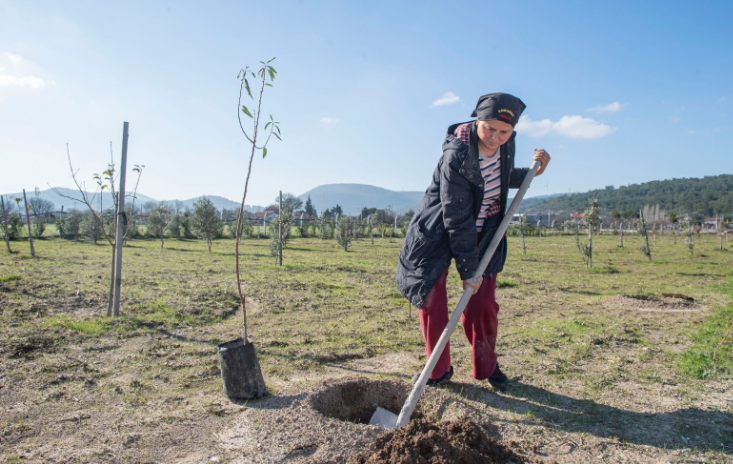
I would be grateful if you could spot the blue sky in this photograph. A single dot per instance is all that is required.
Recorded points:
(617, 92)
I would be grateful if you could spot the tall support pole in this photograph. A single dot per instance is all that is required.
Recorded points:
(28, 221)
(280, 232)
(121, 221)
(110, 299)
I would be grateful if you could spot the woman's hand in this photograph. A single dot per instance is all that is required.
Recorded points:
(474, 285)
(543, 157)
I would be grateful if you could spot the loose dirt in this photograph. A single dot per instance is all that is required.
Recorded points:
(452, 442)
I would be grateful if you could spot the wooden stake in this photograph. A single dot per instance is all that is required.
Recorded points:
(121, 222)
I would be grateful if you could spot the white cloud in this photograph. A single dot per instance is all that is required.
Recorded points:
(31, 81)
(447, 98)
(722, 99)
(16, 71)
(329, 120)
(572, 127)
(610, 108)
(10, 57)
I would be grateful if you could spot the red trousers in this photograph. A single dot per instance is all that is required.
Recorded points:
(480, 320)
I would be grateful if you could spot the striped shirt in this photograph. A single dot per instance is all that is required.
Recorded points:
(491, 172)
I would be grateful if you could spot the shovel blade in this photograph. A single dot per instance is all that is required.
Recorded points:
(383, 418)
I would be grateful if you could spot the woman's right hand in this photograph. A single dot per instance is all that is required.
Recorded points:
(474, 285)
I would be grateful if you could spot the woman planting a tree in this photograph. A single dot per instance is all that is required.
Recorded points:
(456, 219)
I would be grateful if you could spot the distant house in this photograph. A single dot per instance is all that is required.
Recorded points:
(268, 215)
(577, 216)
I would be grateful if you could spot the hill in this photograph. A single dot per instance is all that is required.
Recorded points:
(68, 204)
(353, 197)
(698, 197)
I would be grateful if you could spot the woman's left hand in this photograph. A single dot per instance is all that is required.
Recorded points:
(543, 157)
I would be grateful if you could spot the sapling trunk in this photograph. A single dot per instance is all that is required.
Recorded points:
(28, 221)
(590, 246)
(5, 215)
(264, 72)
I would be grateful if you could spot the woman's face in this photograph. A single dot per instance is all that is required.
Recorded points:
(493, 134)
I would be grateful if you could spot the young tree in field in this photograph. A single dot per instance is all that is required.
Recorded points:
(343, 232)
(673, 221)
(592, 217)
(616, 215)
(310, 210)
(4, 220)
(522, 225)
(158, 221)
(91, 228)
(720, 229)
(68, 225)
(690, 240)
(284, 220)
(42, 210)
(290, 202)
(108, 230)
(645, 248)
(206, 221)
(265, 72)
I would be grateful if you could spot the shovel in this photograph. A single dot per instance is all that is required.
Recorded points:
(386, 419)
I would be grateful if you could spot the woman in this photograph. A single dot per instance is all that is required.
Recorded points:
(456, 219)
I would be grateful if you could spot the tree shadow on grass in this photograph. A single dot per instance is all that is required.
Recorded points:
(683, 428)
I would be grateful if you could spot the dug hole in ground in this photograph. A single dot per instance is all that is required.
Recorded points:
(330, 424)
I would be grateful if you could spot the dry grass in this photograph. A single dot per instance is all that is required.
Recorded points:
(603, 363)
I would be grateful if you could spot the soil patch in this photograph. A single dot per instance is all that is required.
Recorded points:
(452, 442)
(666, 302)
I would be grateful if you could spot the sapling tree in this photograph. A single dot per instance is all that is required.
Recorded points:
(4, 220)
(522, 225)
(206, 221)
(284, 220)
(592, 217)
(91, 228)
(68, 225)
(645, 248)
(343, 232)
(42, 210)
(719, 222)
(158, 221)
(265, 72)
(673, 221)
(690, 237)
(105, 180)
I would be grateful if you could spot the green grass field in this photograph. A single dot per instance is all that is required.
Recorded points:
(625, 334)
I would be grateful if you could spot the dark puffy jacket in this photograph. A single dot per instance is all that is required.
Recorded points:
(444, 225)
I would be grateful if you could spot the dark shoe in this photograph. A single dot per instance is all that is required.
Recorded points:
(498, 380)
(433, 382)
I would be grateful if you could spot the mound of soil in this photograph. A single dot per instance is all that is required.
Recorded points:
(451, 442)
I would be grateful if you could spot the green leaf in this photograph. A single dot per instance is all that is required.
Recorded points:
(271, 70)
(278, 137)
(268, 84)
(267, 125)
(271, 59)
(246, 111)
(246, 85)
(264, 152)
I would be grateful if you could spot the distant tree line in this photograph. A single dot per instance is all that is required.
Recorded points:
(696, 197)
